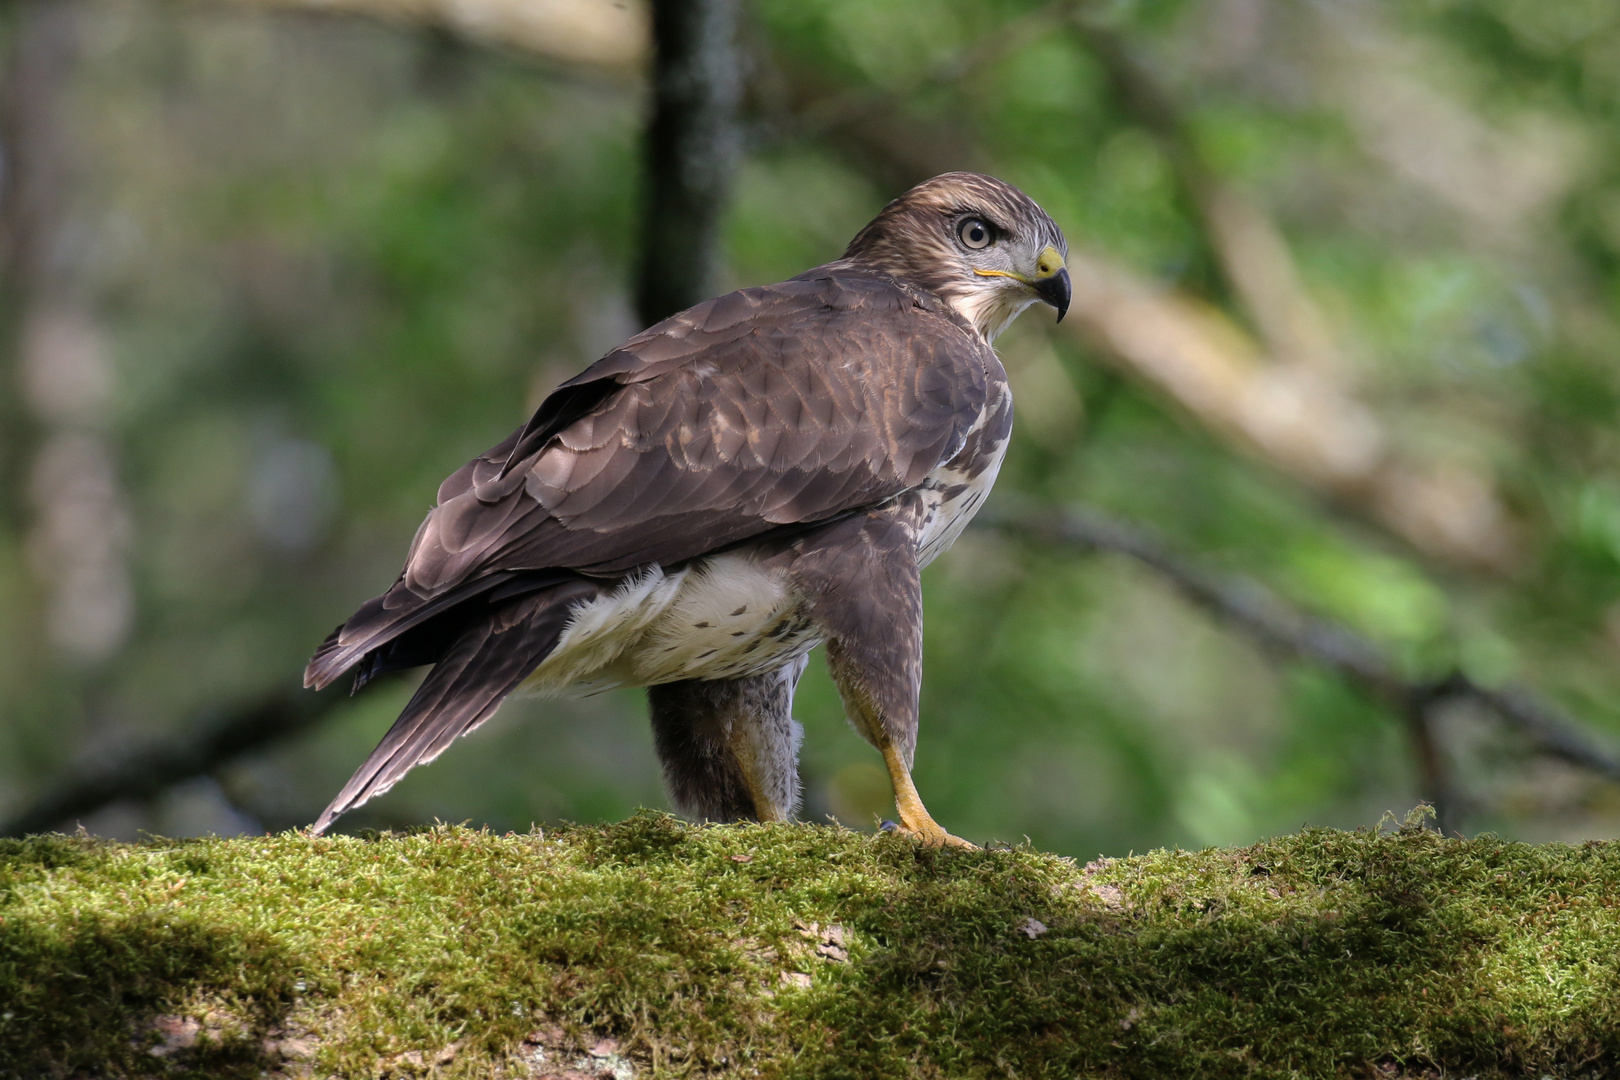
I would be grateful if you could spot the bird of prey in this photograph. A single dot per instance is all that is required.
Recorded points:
(697, 510)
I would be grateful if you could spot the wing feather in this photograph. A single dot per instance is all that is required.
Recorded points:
(766, 408)
(482, 666)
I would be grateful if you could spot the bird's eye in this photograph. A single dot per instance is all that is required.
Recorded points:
(974, 234)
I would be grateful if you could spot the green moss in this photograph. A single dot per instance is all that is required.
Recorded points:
(808, 951)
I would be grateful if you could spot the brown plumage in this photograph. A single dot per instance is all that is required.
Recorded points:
(765, 471)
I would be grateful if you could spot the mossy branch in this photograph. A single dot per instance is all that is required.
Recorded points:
(665, 949)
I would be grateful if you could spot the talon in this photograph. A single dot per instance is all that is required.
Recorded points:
(937, 837)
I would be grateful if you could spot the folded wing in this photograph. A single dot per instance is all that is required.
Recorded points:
(756, 411)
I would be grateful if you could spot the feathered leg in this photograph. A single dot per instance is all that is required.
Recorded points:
(730, 748)
(865, 594)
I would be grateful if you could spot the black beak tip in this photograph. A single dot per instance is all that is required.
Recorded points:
(1056, 290)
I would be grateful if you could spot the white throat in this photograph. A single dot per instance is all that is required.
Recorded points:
(990, 311)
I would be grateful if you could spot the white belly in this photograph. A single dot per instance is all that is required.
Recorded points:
(725, 617)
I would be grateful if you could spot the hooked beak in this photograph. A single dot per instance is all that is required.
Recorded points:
(1055, 290)
(1051, 280)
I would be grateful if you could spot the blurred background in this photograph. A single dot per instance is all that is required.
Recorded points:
(1333, 416)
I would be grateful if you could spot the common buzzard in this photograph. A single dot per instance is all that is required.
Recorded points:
(700, 508)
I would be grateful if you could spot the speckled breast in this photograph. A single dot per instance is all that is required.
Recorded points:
(956, 490)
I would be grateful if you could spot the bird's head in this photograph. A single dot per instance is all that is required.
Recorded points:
(982, 246)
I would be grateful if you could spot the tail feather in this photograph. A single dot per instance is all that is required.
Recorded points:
(382, 619)
(494, 653)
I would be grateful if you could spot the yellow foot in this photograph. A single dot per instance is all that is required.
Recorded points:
(931, 835)
(915, 821)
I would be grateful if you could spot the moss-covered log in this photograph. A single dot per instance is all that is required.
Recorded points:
(655, 948)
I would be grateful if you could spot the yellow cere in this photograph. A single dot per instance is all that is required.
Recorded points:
(1050, 262)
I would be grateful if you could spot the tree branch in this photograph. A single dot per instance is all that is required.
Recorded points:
(147, 769)
(1289, 400)
(1285, 631)
(1251, 250)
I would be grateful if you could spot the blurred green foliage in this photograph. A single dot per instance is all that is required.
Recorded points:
(332, 260)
